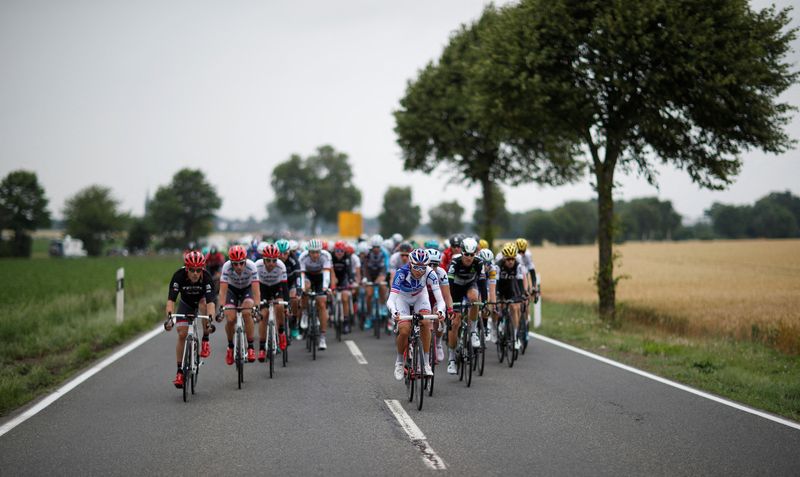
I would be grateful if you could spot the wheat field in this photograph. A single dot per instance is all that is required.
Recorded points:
(746, 289)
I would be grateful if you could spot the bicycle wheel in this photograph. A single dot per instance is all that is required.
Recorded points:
(524, 336)
(377, 322)
(185, 367)
(418, 371)
(411, 370)
(285, 351)
(339, 314)
(239, 358)
(510, 338)
(463, 340)
(481, 358)
(432, 361)
(315, 339)
(195, 365)
(469, 363)
(271, 349)
(500, 343)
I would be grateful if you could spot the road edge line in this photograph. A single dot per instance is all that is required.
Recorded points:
(58, 393)
(668, 382)
(355, 351)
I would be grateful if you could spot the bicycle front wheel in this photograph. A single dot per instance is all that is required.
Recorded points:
(195, 365)
(186, 366)
(271, 349)
(482, 356)
(419, 372)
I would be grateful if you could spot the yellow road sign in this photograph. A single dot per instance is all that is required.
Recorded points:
(350, 224)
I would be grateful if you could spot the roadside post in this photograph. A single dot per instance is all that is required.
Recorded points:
(120, 295)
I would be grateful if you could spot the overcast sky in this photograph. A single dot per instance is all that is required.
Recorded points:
(124, 94)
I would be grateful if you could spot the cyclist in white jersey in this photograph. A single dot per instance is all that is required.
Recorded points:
(274, 284)
(315, 273)
(409, 289)
(238, 287)
(444, 285)
(490, 291)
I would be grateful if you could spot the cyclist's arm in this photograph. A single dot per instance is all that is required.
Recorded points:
(326, 278)
(285, 290)
(170, 308)
(223, 292)
(254, 286)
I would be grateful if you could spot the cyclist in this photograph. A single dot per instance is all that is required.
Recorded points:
(239, 287)
(510, 283)
(444, 285)
(273, 283)
(453, 250)
(289, 259)
(315, 273)
(343, 278)
(374, 268)
(194, 285)
(527, 262)
(489, 292)
(408, 290)
(398, 259)
(466, 276)
(214, 261)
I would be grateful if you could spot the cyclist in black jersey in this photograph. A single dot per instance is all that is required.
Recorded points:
(342, 279)
(289, 258)
(510, 279)
(465, 274)
(194, 285)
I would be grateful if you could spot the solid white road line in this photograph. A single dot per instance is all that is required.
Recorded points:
(419, 440)
(680, 386)
(355, 351)
(75, 382)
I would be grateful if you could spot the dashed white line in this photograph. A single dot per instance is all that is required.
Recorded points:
(75, 382)
(431, 459)
(355, 351)
(680, 386)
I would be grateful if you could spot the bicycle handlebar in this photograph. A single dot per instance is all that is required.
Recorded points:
(409, 317)
(274, 302)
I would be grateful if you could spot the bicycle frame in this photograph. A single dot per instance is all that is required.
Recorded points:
(190, 351)
(414, 354)
(272, 331)
(239, 345)
(313, 331)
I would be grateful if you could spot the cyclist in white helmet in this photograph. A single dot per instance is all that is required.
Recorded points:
(444, 285)
(315, 272)
(489, 291)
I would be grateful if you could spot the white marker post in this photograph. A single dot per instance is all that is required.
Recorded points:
(120, 295)
(537, 308)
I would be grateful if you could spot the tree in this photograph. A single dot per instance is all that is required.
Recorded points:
(730, 221)
(501, 217)
(91, 215)
(139, 235)
(541, 226)
(576, 222)
(399, 214)
(446, 218)
(772, 220)
(441, 122)
(183, 211)
(23, 208)
(686, 83)
(647, 219)
(319, 187)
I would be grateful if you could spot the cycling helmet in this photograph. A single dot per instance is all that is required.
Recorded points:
(435, 255)
(486, 255)
(314, 245)
(397, 238)
(270, 251)
(522, 245)
(388, 244)
(260, 248)
(283, 245)
(405, 247)
(469, 245)
(194, 259)
(483, 244)
(363, 247)
(325, 245)
(431, 244)
(237, 253)
(293, 245)
(212, 250)
(455, 240)
(510, 249)
(419, 257)
(349, 249)
(340, 245)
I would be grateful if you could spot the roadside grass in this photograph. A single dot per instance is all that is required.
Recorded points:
(58, 315)
(748, 372)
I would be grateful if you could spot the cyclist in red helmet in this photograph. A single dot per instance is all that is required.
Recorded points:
(238, 287)
(194, 285)
(343, 278)
(274, 283)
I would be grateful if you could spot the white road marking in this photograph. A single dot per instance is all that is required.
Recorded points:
(355, 351)
(431, 459)
(680, 386)
(78, 380)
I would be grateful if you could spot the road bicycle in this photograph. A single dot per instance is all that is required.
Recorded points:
(506, 341)
(378, 309)
(432, 355)
(362, 307)
(413, 358)
(239, 343)
(191, 362)
(313, 330)
(466, 354)
(272, 334)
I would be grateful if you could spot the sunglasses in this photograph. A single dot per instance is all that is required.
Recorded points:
(270, 260)
(238, 263)
(419, 268)
(511, 259)
(338, 250)
(194, 270)
(404, 255)
(468, 254)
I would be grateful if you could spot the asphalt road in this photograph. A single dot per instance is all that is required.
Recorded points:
(554, 413)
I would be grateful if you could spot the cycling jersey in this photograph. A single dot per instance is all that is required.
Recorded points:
(465, 275)
(395, 262)
(491, 278)
(214, 262)
(356, 265)
(316, 268)
(239, 280)
(509, 281)
(408, 291)
(191, 292)
(375, 264)
(274, 276)
(343, 268)
(292, 270)
(442, 276)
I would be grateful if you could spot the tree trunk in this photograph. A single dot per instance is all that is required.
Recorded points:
(605, 239)
(488, 210)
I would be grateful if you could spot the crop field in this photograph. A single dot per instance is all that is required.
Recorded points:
(743, 289)
(57, 315)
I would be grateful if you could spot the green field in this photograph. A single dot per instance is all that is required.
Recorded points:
(57, 315)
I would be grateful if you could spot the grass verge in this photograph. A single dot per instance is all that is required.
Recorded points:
(747, 372)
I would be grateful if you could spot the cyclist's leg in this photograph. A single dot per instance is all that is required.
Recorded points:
(247, 315)
(230, 316)
(322, 312)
